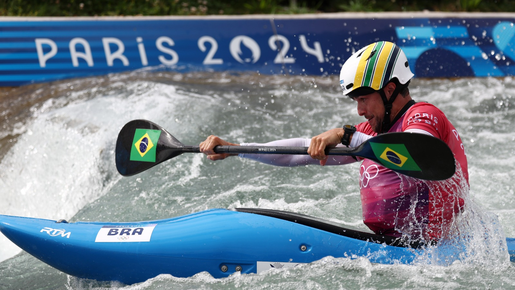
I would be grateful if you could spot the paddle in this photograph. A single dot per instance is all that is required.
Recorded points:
(142, 144)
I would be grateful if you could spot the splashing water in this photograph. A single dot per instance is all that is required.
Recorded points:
(57, 161)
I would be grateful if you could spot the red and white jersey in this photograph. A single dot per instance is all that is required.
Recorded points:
(394, 204)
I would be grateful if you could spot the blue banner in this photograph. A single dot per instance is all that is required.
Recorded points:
(33, 50)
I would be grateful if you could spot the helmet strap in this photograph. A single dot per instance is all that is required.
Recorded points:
(387, 124)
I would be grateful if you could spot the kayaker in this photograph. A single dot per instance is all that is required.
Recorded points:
(377, 78)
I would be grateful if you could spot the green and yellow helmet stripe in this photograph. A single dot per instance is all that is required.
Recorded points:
(393, 57)
(362, 66)
(371, 65)
(382, 62)
(375, 65)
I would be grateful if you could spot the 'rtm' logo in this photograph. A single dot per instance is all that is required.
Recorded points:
(56, 232)
(125, 231)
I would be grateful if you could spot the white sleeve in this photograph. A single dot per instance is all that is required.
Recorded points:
(290, 159)
(358, 138)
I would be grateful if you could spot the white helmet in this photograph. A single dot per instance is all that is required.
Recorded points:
(372, 67)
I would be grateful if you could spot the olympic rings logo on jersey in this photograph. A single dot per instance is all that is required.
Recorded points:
(367, 174)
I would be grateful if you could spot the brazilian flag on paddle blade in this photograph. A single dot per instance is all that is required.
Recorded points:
(394, 156)
(144, 145)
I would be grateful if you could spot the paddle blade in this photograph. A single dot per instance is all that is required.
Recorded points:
(141, 145)
(416, 155)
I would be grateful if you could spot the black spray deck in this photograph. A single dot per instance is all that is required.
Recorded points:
(334, 228)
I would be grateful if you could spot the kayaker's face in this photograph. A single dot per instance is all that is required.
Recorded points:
(371, 107)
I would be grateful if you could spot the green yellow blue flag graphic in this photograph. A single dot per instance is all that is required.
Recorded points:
(395, 156)
(144, 145)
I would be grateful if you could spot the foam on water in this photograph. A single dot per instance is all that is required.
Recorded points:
(63, 159)
(62, 166)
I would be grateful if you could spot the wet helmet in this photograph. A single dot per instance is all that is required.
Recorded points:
(372, 67)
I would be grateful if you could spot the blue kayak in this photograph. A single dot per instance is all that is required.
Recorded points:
(218, 241)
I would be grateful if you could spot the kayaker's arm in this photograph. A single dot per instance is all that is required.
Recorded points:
(207, 147)
(293, 160)
(332, 138)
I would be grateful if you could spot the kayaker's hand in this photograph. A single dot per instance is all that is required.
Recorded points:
(207, 147)
(320, 142)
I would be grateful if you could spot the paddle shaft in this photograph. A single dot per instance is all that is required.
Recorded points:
(267, 150)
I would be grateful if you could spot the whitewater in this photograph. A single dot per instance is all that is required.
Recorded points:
(57, 145)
